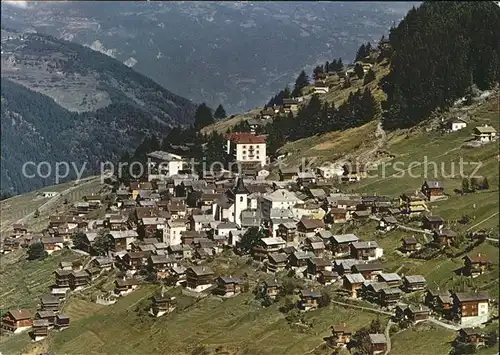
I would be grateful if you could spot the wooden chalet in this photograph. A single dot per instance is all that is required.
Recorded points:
(50, 316)
(134, 260)
(16, 320)
(413, 203)
(390, 296)
(364, 250)
(277, 262)
(475, 264)
(353, 283)
(326, 277)
(432, 222)
(370, 271)
(78, 279)
(416, 314)
(412, 283)
(161, 305)
(341, 336)
(288, 232)
(471, 308)
(62, 278)
(49, 303)
(340, 245)
(309, 299)
(267, 246)
(272, 287)
(315, 265)
(336, 215)
(474, 336)
(40, 329)
(124, 286)
(392, 279)
(228, 286)
(199, 278)
(61, 321)
(378, 343)
(409, 245)
(444, 237)
(432, 190)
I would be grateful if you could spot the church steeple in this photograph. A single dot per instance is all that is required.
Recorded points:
(240, 188)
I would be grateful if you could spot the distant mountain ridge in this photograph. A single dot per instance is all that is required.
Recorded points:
(234, 53)
(64, 102)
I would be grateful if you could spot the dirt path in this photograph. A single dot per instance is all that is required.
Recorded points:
(54, 199)
(443, 324)
(412, 166)
(388, 337)
(363, 308)
(381, 138)
(484, 220)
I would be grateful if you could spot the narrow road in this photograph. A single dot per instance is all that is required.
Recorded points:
(388, 337)
(443, 324)
(362, 308)
(484, 220)
(55, 198)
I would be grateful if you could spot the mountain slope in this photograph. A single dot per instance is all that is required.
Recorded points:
(62, 102)
(217, 52)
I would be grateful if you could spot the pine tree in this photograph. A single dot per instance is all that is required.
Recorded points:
(485, 184)
(465, 185)
(203, 117)
(474, 184)
(154, 144)
(327, 66)
(360, 54)
(358, 69)
(369, 77)
(220, 113)
(301, 82)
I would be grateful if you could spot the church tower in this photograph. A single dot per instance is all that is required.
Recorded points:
(240, 200)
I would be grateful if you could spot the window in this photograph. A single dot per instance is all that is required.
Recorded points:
(244, 146)
(244, 152)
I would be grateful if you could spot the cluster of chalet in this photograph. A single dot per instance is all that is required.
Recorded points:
(342, 334)
(38, 325)
(468, 308)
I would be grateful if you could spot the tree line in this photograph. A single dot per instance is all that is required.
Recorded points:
(439, 51)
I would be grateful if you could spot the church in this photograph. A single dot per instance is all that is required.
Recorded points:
(230, 205)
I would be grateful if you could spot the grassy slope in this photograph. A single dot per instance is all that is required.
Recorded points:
(337, 94)
(19, 206)
(446, 151)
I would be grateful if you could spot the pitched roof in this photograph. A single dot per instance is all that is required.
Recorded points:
(240, 188)
(478, 258)
(354, 278)
(245, 138)
(20, 314)
(230, 279)
(434, 184)
(345, 238)
(485, 129)
(378, 339)
(201, 270)
(414, 278)
(390, 277)
(278, 257)
(365, 245)
(471, 296)
(310, 223)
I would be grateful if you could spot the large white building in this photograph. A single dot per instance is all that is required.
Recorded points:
(246, 148)
(164, 165)
(279, 200)
(172, 234)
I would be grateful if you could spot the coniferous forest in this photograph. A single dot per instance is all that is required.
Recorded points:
(440, 50)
